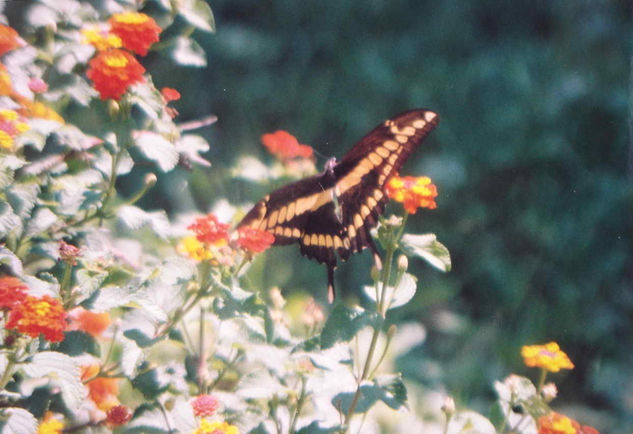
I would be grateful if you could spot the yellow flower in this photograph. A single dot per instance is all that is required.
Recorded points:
(50, 425)
(190, 246)
(548, 356)
(8, 115)
(101, 40)
(208, 427)
(6, 141)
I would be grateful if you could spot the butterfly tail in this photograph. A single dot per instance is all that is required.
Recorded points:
(330, 283)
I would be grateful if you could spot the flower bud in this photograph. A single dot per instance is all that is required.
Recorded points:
(403, 263)
(448, 408)
(149, 180)
(549, 392)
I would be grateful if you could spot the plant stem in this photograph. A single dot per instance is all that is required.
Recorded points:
(300, 403)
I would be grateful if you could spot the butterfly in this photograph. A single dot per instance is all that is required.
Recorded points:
(332, 213)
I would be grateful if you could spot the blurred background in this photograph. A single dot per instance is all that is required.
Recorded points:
(533, 159)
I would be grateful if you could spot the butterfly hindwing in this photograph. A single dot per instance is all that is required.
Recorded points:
(333, 212)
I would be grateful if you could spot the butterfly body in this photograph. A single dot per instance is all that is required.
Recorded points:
(331, 213)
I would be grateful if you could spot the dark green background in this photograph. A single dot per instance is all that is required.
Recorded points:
(532, 160)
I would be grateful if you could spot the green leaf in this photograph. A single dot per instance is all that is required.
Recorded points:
(9, 221)
(111, 297)
(141, 339)
(428, 248)
(186, 51)
(149, 385)
(158, 149)
(315, 428)
(62, 372)
(7, 257)
(19, 421)
(198, 13)
(76, 343)
(134, 218)
(399, 296)
(42, 219)
(343, 324)
(388, 389)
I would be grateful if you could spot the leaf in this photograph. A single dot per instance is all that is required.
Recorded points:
(20, 421)
(186, 51)
(198, 13)
(134, 218)
(149, 385)
(110, 297)
(399, 296)
(63, 372)
(42, 219)
(158, 149)
(9, 221)
(191, 145)
(428, 248)
(130, 356)
(7, 257)
(140, 338)
(388, 389)
(316, 428)
(343, 324)
(76, 343)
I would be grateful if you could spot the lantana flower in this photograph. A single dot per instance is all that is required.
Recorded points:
(50, 424)
(35, 316)
(169, 94)
(11, 124)
(137, 31)
(89, 322)
(36, 109)
(556, 423)
(205, 405)
(113, 72)
(6, 88)
(412, 192)
(191, 247)
(101, 38)
(548, 356)
(254, 240)
(118, 415)
(285, 146)
(9, 39)
(37, 85)
(208, 229)
(102, 391)
(209, 427)
(12, 292)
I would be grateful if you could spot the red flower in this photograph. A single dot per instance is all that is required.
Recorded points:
(137, 30)
(205, 405)
(413, 192)
(556, 423)
(209, 230)
(35, 316)
(118, 415)
(113, 71)
(285, 146)
(9, 39)
(254, 240)
(68, 252)
(12, 292)
(90, 322)
(170, 94)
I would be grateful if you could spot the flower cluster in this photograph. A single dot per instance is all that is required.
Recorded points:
(12, 292)
(102, 391)
(205, 405)
(114, 69)
(412, 192)
(9, 39)
(89, 322)
(214, 427)
(285, 146)
(11, 124)
(254, 240)
(548, 356)
(50, 424)
(556, 423)
(34, 316)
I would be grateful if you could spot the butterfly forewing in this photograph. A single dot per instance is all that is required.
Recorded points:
(335, 210)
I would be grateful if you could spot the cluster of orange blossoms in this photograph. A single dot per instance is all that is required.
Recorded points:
(285, 146)
(113, 69)
(210, 233)
(412, 192)
(550, 358)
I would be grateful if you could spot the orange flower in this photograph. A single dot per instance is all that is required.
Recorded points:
(90, 322)
(205, 405)
(113, 71)
(170, 94)
(254, 240)
(412, 192)
(548, 356)
(556, 423)
(285, 146)
(137, 30)
(5, 81)
(31, 109)
(209, 230)
(9, 39)
(118, 415)
(12, 292)
(100, 38)
(35, 316)
(102, 391)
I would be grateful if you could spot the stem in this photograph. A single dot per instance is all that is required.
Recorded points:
(64, 289)
(300, 403)
(8, 373)
(111, 184)
(541, 381)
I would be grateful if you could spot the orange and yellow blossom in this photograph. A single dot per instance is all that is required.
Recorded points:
(34, 316)
(412, 192)
(50, 425)
(137, 31)
(208, 427)
(93, 323)
(113, 72)
(9, 39)
(101, 390)
(548, 356)
(100, 38)
(556, 423)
